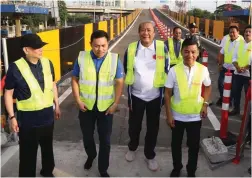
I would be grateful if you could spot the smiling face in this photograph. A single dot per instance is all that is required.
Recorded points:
(146, 33)
(99, 46)
(190, 54)
(247, 34)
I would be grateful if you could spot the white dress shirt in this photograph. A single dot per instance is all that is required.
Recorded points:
(235, 56)
(171, 82)
(144, 71)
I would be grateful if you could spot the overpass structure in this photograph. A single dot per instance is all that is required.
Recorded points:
(99, 9)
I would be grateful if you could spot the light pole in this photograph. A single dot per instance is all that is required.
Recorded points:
(94, 9)
(215, 14)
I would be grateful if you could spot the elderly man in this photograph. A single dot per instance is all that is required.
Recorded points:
(185, 107)
(146, 65)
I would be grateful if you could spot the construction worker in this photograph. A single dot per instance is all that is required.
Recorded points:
(174, 46)
(242, 60)
(185, 107)
(31, 78)
(93, 79)
(225, 60)
(146, 64)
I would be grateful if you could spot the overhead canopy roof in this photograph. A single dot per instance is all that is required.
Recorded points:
(23, 9)
(244, 12)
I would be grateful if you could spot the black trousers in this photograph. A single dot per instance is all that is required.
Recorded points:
(221, 83)
(135, 124)
(193, 140)
(238, 84)
(104, 127)
(29, 139)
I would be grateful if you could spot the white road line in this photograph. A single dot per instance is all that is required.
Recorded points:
(13, 149)
(8, 154)
(213, 119)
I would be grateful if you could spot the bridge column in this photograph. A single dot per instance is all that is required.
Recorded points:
(18, 25)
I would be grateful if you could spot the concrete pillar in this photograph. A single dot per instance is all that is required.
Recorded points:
(45, 22)
(18, 26)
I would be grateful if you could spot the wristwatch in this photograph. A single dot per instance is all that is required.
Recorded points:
(206, 103)
(11, 117)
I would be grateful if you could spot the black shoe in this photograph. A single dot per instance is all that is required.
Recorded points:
(42, 173)
(175, 173)
(249, 170)
(104, 174)
(219, 102)
(191, 174)
(234, 112)
(88, 163)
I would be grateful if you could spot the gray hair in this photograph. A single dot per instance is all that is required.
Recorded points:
(145, 22)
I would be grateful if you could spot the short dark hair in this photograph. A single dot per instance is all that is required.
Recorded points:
(175, 28)
(99, 34)
(247, 28)
(233, 26)
(188, 42)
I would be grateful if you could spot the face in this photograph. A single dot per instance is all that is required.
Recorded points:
(233, 33)
(193, 30)
(99, 46)
(247, 34)
(190, 54)
(177, 34)
(146, 33)
(33, 53)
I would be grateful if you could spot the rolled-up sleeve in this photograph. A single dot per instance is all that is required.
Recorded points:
(76, 69)
(170, 81)
(206, 80)
(119, 70)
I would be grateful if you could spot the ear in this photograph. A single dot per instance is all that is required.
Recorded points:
(25, 50)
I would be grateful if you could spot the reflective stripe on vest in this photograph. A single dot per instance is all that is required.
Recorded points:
(189, 97)
(243, 57)
(160, 75)
(229, 54)
(174, 59)
(88, 80)
(39, 99)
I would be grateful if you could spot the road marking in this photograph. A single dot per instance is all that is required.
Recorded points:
(213, 119)
(10, 151)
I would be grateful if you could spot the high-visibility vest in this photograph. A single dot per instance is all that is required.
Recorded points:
(189, 97)
(39, 99)
(160, 75)
(173, 58)
(228, 55)
(243, 57)
(89, 80)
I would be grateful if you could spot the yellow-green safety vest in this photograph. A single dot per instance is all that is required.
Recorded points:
(243, 57)
(39, 99)
(160, 75)
(88, 80)
(173, 58)
(189, 97)
(228, 55)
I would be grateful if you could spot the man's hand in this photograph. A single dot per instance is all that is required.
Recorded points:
(239, 69)
(170, 121)
(14, 125)
(203, 112)
(57, 113)
(220, 67)
(111, 109)
(82, 106)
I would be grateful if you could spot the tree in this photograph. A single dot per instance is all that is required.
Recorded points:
(62, 11)
(226, 7)
(196, 12)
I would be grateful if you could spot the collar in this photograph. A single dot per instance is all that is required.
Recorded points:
(237, 39)
(31, 64)
(186, 67)
(94, 57)
(151, 47)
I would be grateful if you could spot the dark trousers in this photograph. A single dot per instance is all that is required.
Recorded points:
(193, 140)
(221, 82)
(238, 84)
(104, 127)
(135, 124)
(29, 139)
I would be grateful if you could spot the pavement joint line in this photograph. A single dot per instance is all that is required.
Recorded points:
(211, 116)
(10, 151)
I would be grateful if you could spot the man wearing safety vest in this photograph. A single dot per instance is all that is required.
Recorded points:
(146, 65)
(185, 107)
(242, 60)
(31, 78)
(93, 79)
(174, 46)
(225, 61)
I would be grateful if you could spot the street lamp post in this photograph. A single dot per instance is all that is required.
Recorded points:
(94, 9)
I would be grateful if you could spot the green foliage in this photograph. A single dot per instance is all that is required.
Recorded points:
(62, 11)
(79, 19)
(220, 9)
(196, 12)
(33, 20)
